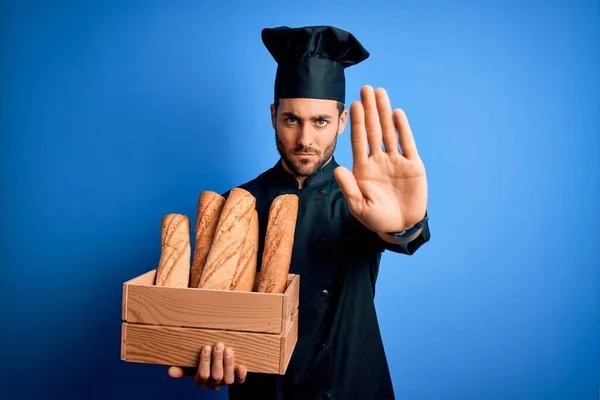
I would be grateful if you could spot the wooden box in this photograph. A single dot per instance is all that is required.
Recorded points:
(169, 326)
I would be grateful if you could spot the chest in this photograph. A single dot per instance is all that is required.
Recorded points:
(319, 236)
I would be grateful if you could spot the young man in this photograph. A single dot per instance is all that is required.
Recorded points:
(345, 220)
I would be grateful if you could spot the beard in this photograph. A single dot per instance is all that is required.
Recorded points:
(305, 168)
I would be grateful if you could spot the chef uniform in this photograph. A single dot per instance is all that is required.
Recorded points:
(339, 354)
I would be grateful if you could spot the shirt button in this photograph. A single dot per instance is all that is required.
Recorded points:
(324, 293)
(323, 239)
(322, 191)
(328, 396)
(323, 346)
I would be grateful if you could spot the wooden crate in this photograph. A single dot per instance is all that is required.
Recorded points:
(169, 326)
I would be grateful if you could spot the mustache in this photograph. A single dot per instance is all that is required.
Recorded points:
(305, 150)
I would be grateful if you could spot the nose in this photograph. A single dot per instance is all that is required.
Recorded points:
(305, 138)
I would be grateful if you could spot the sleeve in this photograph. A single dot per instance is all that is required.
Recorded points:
(406, 248)
(364, 238)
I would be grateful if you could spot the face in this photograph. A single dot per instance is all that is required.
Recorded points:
(306, 133)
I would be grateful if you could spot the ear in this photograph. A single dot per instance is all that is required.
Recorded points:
(343, 120)
(273, 115)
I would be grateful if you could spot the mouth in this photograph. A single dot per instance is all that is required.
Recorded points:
(305, 154)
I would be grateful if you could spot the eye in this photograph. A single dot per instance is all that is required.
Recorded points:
(322, 122)
(291, 120)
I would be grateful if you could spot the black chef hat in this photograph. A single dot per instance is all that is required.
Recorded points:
(311, 60)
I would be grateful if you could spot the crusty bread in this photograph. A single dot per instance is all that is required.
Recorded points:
(174, 265)
(210, 205)
(245, 274)
(225, 252)
(279, 241)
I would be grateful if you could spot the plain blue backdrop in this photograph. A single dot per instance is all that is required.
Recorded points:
(116, 113)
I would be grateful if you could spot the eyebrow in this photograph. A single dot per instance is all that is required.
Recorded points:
(290, 114)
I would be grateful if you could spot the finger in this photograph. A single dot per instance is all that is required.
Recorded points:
(350, 189)
(240, 373)
(228, 373)
(217, 363)
(201, 383)
(387, 121)
(372, 123)
(204, 369)
(358, 133)
(178, 372)
(407, 141)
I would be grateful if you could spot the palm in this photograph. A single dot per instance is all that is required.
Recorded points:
(387, 189)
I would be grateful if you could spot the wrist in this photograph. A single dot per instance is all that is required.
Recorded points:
(410, 231)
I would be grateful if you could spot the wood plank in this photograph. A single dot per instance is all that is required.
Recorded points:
(204, 308)
(166, 345)
(124, 301)
(289, 344)
(123, 341)
(290, 301)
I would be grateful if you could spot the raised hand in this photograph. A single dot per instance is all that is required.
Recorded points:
(387, 188)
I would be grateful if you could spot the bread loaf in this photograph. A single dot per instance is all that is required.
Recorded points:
(210, 205)
(279, 241)
(230, 235)
(174, 264)
(245, 274)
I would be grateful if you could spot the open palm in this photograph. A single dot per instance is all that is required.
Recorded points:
(387, 188)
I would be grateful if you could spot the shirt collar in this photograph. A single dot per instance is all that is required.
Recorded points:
(322, 175)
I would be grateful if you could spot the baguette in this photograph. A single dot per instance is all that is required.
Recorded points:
(174, 264)
(245, 275)
(279, 242)
(225, 252)
(210, 205)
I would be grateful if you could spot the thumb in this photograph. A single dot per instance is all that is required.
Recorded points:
(178, 372)
(175, 372)
(350, 189)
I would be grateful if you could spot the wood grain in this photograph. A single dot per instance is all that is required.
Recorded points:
(167, 345)
(204, 308)
(291, 298)
(289, 343)
(124, 302)
(144, 302)
(169, 325)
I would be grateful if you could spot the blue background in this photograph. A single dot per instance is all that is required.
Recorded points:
(116, 113)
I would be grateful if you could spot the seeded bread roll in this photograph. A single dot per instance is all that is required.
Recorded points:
(224, 255)
(245, 275)
(174, 264)
(279, 241)
(210, 205)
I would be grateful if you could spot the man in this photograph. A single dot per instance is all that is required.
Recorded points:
(345, 220)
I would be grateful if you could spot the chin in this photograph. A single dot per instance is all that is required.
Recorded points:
(302, 167)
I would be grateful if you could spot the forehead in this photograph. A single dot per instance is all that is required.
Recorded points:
(307, 107)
